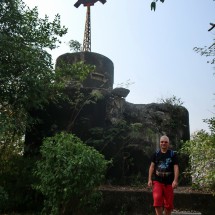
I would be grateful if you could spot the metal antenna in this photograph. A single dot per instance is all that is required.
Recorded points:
(87, 32)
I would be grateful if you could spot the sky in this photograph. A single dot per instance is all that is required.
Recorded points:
(152, 52)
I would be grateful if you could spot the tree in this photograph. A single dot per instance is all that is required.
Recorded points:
(27, 77)
(201, 148)
(75, 46)
(68, 173)
(25, 65)
(208, 51)
(201, 151)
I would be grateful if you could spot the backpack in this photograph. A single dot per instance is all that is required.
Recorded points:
(171, 153)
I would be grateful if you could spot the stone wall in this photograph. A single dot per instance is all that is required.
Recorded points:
(139, 202)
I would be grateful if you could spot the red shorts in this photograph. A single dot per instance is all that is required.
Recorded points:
(163, 195)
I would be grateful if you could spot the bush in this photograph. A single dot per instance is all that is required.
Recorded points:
(171, 101)
(16, 193)
(201, 150)
(3, 197)
(69, 173)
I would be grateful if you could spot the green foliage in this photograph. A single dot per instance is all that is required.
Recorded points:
(116, 142)
(75, 46)
(123, 210)
(71, 74)
(171, 101)
(207, 51)
(101, 138)
(78, 101)
(26, 68)
(201, 150)
(70, 77)
(211, 124)
(28, 80)
(3, 197)
(16, 179)
(96, 95)
(68, 171)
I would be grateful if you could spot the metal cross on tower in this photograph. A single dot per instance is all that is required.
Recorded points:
(87, 31)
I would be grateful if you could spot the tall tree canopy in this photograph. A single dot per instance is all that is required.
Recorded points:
(26, 68)
(28, 79)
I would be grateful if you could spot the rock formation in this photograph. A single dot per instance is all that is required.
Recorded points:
(125, 132)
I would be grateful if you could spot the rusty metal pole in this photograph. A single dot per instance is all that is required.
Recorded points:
(87, 32)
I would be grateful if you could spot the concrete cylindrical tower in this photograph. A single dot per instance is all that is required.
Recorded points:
(103, 75)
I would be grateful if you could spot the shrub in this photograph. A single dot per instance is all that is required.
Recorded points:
(16, 193)
(201, 150)
(69, 173)
(3, 197)
(171, 101)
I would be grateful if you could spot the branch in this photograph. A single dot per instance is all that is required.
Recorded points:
(213, 26)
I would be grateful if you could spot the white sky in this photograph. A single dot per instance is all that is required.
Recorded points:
(152, 50)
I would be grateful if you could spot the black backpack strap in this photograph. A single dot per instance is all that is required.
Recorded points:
(172, 153)
(157, 152)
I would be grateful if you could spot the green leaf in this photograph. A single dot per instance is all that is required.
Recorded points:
(162, 1)
(68, 169)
